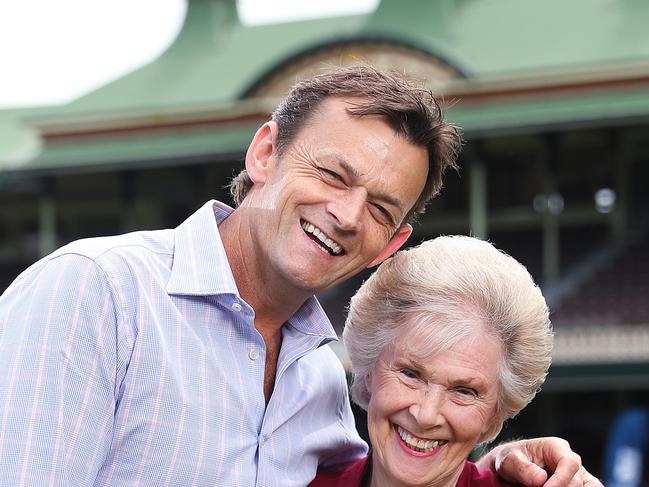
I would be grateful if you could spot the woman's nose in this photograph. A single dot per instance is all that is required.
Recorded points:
(427, 409)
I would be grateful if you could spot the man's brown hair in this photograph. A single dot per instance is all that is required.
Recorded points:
(410, 110)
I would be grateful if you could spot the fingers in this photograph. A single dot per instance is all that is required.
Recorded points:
(541, 462)
(589, 480)
(581, 478)
(584, 479)
(566, 471)
(515, 466)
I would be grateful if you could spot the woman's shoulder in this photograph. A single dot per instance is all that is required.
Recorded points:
(472, 476)
(352, 476)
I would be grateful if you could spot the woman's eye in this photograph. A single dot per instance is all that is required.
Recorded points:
(411, 374)
(467, 392)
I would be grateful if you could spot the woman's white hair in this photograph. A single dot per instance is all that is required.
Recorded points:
(445, 290)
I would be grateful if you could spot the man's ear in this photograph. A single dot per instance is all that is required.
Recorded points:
(395, 243)
(260, 152)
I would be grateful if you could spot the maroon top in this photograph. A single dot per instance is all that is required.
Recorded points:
(358, 475)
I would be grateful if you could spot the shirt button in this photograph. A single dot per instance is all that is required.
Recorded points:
(236, 307)
(253, 354)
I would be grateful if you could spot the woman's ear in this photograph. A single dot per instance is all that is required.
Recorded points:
(368, 380)
(260, 152)
(491, 429)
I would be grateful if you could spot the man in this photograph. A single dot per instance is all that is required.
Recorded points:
(194, 356)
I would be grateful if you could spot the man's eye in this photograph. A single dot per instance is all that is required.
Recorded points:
(331, 174)
(381, 210)
(385, 214)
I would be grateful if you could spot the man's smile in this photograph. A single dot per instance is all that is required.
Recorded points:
(326, 242)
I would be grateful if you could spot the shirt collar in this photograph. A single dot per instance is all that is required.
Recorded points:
(311, 319)
(200, 268)
(200, 265)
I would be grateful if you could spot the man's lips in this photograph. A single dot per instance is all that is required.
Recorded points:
(326, 242)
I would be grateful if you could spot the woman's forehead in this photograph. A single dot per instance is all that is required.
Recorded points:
(424, 337)
(474, 357)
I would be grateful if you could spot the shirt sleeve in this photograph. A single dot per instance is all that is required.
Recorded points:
(58, 369)
(354, 448)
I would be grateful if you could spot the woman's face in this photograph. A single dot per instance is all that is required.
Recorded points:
(426, 415)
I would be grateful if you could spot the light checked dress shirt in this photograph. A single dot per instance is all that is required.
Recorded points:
(132, 360)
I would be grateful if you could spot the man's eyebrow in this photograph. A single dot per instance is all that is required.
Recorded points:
(353, 173)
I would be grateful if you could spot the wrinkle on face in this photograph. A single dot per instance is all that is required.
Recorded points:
(444, 379)
(300, 154)
(298, 187)
(307, 161)
(302, 164)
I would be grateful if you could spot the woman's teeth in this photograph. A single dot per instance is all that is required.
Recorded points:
(418, 444)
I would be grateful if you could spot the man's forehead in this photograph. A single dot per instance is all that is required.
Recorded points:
(327, 111)
(374, 141)
(341, 104)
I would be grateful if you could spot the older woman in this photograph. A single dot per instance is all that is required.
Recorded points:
(447, 341)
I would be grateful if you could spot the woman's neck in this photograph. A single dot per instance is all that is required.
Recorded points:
(379, 478)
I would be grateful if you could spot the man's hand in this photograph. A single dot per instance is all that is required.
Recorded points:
(539, 462)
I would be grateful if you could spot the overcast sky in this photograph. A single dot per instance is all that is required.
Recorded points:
(53, 51)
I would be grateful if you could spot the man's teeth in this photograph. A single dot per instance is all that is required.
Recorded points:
(418, 444)
(320, 235)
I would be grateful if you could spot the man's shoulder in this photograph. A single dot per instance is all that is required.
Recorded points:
(117, 257)
(326, 354)
(329, 368)
(135, 245)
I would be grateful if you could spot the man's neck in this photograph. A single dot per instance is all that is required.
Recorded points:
(273, 302)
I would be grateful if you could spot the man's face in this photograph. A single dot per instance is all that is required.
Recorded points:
(333, 202)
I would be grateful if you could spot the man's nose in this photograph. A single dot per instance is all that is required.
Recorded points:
(348, 208)
(427, 409)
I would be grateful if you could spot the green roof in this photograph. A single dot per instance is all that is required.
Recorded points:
(608, 108)
(216, 60)
(160, 149)
(19, 141)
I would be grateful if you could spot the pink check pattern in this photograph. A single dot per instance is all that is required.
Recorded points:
(132, 360)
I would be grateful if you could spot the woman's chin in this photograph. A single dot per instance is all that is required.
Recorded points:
(401, 464)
